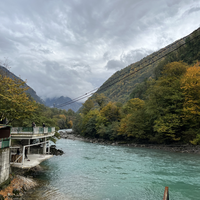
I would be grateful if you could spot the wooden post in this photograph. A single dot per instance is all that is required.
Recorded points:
(166, 194)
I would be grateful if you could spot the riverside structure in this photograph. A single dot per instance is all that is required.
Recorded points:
(32, 138)
(4, 153)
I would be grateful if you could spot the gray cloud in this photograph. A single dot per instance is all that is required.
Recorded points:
(71, 47)
(194, 9)
(134, 55)
(127, 59)
(114, 64)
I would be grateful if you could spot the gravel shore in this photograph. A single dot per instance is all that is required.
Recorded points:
(183, 148)
(18, 186)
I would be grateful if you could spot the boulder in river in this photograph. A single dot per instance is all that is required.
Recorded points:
(54, 151)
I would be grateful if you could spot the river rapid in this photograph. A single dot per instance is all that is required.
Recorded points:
(89, 171)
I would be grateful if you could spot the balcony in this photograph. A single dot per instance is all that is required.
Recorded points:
(26, 135)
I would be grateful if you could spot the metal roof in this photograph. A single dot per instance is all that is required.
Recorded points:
(4, 126)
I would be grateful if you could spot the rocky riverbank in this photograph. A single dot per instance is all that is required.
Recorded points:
(21, 180)
(186, 148)
(17, 187)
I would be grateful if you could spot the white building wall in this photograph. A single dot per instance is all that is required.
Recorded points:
(4, 164)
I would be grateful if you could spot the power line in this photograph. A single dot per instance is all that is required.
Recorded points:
(77, 98)
(66, 103)
(115, 81)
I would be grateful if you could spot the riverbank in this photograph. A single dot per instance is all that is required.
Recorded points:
(22, 180)
(184, 148)
(17, 187)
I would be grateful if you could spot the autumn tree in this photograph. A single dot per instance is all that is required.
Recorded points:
(133, 105)
(165, 103)
(87, 106)
(100, 99)
(14, 103)
(108, 121)
(191, 89)
(133, 125)
(62, 121)
(88, 123)
(70, 124)
(110, 112)
(190, 84)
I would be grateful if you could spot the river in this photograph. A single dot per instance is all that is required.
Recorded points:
(89, 171)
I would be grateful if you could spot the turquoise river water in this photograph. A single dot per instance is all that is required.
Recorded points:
(90, 171)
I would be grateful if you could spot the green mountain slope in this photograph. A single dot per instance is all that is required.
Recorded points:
(30, 91)
(120, 85)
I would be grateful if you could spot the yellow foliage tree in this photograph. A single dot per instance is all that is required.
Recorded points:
(87, 106)
(110, 112)
(191, 89)
(191, 107)
(63, 117)
(133, 105)
(14, 102)
(70, 124)
(123, 128)
(132, 123)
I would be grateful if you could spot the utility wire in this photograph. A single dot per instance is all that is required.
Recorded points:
(78, 98)
(115, 81)
(104, 87)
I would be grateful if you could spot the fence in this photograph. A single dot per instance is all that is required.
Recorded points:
(31, 130)
(21, 129)
(4, 142)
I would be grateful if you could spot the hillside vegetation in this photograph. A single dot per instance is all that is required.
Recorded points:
(120, 85)
(162, 109)
(29, 90)
(17, 108)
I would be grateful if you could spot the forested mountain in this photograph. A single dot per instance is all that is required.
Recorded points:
(49, 101)
(162, 109)
(120, 85)
(55, 102)
(19, 109)
(29, 91)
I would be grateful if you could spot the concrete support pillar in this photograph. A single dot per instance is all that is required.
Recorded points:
(4, 164)
(48, 147)
(23, 152)
(29, 142)
(44, 146)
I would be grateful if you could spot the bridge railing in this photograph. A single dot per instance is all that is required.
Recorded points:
(31, 130)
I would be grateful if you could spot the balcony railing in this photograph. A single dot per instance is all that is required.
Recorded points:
(4, 142)
(31, 130)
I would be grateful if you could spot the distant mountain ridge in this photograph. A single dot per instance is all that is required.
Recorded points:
(55, 102)
(29, 91)
(49, 101)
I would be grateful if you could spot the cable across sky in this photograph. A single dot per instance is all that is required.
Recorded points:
(115, 80)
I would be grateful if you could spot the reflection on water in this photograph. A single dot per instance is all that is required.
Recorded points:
(96, 172)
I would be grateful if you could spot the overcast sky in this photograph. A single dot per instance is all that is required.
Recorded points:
(69, 47)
